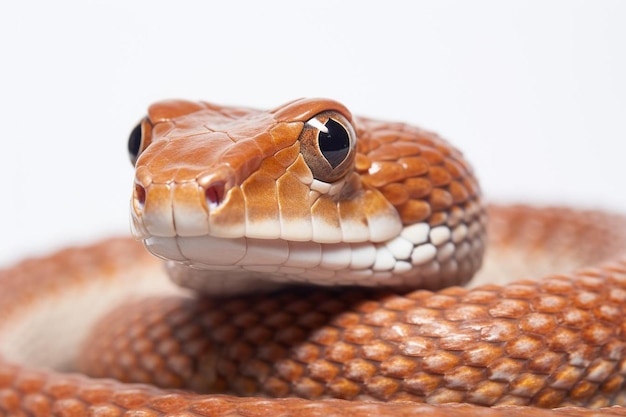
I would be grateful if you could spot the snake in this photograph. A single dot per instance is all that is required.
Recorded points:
(302, 261)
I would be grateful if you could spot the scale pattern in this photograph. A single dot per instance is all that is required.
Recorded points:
(206, 173)
(551, 343)
(576, 316)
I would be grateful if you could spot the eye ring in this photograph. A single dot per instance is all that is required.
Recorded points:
(139, 139)
(328, 145)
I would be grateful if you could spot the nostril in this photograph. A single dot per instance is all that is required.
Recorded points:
(214, 194)
(140, 196)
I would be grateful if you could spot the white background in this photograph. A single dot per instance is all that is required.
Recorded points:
(533, 91)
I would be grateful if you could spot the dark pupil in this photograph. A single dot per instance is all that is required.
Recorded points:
(134, 141)
(335, 144)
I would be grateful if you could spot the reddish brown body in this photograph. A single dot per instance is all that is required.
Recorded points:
(555, 342)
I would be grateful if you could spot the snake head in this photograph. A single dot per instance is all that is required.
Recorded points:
(288, 173)
(223, 187)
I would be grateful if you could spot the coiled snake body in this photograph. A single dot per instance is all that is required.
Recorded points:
(242, 202)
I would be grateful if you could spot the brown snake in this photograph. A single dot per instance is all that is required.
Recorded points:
(307, 193)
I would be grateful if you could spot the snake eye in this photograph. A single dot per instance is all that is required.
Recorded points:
(328, 145)
(139, 139)
(334, 142)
